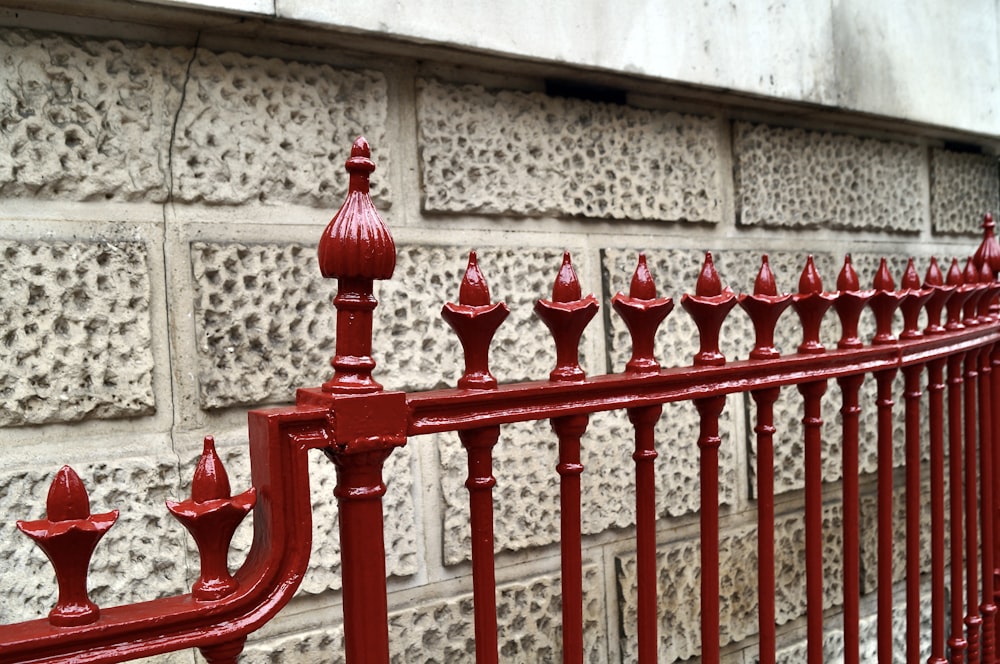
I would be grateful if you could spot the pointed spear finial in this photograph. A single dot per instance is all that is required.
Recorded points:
(883, 278)
(848, 280)
(474, 291)
(211, 481)
(910, 280)
(765, 284)
(67, 499)
(955, 277)
(709, 284)
(933, 276)
(810, 281)
(567, 285)
(642, 287)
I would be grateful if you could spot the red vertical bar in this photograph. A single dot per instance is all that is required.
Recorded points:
(884, 402)
(972, 620)
(644, 420)
(708, 443)
(995, 394)
(359, 494)
(957, 644)
(911, 396)
(850, 412)
(988, 609)
(569, 429)
(812, 422)
(765, 521)
(479, 444)
(935, 389)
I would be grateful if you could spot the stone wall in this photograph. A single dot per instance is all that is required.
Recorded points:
(159, 212)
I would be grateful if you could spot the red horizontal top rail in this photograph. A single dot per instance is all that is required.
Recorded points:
(454, 409)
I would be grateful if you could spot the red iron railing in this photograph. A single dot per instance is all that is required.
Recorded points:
(358, 424)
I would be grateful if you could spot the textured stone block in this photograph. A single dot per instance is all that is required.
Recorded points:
(529, 629)
(963, 188)
(324, 573)
(792, 178)
(679, 579)
(140, 558)
(83, 119)
(75, 331)
(525, 153)
(526, 497)
(270, 130)
(869, 536)
(266, 325)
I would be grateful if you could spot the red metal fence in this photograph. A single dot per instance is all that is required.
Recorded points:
(358, 424)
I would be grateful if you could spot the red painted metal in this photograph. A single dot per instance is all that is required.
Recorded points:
(643, 312)
(357, 425)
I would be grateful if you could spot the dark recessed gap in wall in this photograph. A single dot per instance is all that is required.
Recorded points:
(557, 87)
(968, 148)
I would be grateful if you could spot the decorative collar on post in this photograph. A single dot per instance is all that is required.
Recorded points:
(567, 315)
(709, 306)
(764, 307)
(811, 303)
(849, 304)
(940, 294)
(642, 312)
(475, 321)
(356, 248)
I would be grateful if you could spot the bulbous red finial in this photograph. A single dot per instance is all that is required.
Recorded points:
(810, 281)
(356, 242)
(989, 249)
(883, 278)
(933, 276)
(474, 291)
(970, 275)
(67, 499)
(709, 284)
(642, 287)
(985, 273)
(955, 277)
(910, 280)
(211, 481)
(848, 280)
(765, 284)
(567, 286)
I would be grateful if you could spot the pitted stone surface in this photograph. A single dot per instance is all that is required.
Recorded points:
(324, 571)
(679, 584)
(963, 188)
(525, 153)
(270, 130)
(529, 629)
(142, 557)
(526, 496)
(83, 119)
(75, 333)
(266, 324)
(792, 178)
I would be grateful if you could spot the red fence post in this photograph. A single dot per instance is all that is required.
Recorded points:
(356, 248)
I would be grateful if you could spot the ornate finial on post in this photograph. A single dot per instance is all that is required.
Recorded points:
(642, 312)
(356, 248)
(975, 289)
(913, 301)
(764, 307)
(475, 321)
(567, 315)
(989, 249)
(884, 304)
(849, 303)
(68, 537)
(811, 303)
(211, 515)
(708, 307)
(940, 294)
